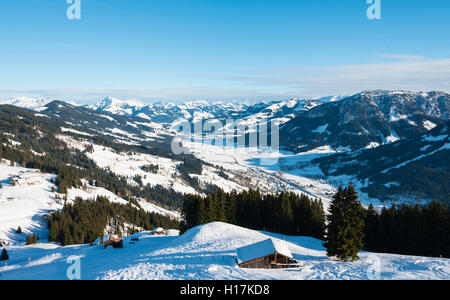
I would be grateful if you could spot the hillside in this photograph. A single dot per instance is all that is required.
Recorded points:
(416, 168)
(27, 206)
(366, 120)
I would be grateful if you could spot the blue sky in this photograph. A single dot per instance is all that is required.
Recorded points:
(221, 49)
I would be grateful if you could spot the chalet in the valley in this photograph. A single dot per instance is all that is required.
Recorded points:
(27, 178)
(268, 254)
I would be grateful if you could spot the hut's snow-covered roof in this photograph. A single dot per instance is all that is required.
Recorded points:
(158, 230)
(261, 249)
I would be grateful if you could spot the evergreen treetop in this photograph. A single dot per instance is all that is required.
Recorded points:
(4, 255)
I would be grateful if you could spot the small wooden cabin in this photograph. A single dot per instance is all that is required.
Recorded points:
(268, 254)
(27, 178)
(115, 242)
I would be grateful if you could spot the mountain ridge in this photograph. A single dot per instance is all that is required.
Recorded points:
(364, 119)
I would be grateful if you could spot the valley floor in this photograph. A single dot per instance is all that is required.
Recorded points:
(209, 252)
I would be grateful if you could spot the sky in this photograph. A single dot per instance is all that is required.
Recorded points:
(177, 50)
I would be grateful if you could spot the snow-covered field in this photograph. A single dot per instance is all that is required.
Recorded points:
(130, 166)
(24, 206)
(287, 172)
(209, 252)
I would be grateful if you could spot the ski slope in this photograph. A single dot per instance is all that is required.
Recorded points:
(209, 252)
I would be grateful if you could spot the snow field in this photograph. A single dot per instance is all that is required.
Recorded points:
(209, 252)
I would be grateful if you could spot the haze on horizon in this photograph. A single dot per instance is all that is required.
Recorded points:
(221, 50)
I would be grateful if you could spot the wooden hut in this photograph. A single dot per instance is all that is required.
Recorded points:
(27, 178)
(158, 231)
(115, 242)
(268, 254)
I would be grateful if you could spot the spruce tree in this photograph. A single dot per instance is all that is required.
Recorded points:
(345, 235)
(334, 222)
(34, 239)
(4, 255)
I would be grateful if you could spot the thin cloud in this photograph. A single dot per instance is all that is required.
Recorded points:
(397, 72)
(406, 73)
(403, 57)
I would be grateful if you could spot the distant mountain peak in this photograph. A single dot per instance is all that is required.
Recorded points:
(118, 106)
(27, 102)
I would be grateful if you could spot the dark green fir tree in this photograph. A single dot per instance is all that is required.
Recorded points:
(345, 230)
(4, 255)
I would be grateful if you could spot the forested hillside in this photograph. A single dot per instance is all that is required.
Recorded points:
(84, 221)
(30, 139)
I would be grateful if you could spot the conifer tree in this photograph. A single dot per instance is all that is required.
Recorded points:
(345, 235)
(34, 239)
(4, 255)
(334, 222)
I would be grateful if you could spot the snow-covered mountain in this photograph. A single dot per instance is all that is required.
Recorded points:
(164, 112)
(365, 120)
(117, 106)
(196, 110)
(312, 128)
(27, 102)
(413, 169)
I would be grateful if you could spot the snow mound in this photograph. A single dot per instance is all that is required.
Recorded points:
(218, 231)
(221, 237)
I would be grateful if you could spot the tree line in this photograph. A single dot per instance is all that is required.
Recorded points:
(405, 229)
(286, 213)
(409, 229)
(348, 229)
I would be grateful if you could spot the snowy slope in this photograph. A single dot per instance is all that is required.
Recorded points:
(24, 206)
(91, 192)
(209, 252)
(27, 206)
